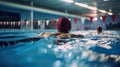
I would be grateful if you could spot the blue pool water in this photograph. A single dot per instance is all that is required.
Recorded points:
(21, 48)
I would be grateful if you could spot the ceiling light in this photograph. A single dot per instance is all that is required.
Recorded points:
(110, 13)
(102, 11)
(86, 6)
(105, 0)
(68, 1)
(110, 10)
(81, 4)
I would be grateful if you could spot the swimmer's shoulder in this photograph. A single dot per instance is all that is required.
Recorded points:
(69, 35)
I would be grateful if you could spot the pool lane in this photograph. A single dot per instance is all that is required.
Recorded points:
(91, 51)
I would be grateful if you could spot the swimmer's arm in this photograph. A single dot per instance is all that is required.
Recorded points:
(77, 36)
(44, 34)
(47, 34)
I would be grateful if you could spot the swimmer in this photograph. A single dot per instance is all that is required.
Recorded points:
(63, 27)
(99, 29)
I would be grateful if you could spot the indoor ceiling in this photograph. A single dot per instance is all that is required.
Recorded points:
(76, 7)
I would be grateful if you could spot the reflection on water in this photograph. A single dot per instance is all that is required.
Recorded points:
(94, 50)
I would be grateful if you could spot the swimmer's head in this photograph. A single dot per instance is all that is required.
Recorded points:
(99, 29)
(64, 25)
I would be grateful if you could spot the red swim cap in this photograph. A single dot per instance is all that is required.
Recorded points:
(64, 25)
(99, 29)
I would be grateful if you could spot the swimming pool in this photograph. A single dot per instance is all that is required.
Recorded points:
(22, 48)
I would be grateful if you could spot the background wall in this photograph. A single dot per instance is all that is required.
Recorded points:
(83, 23)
